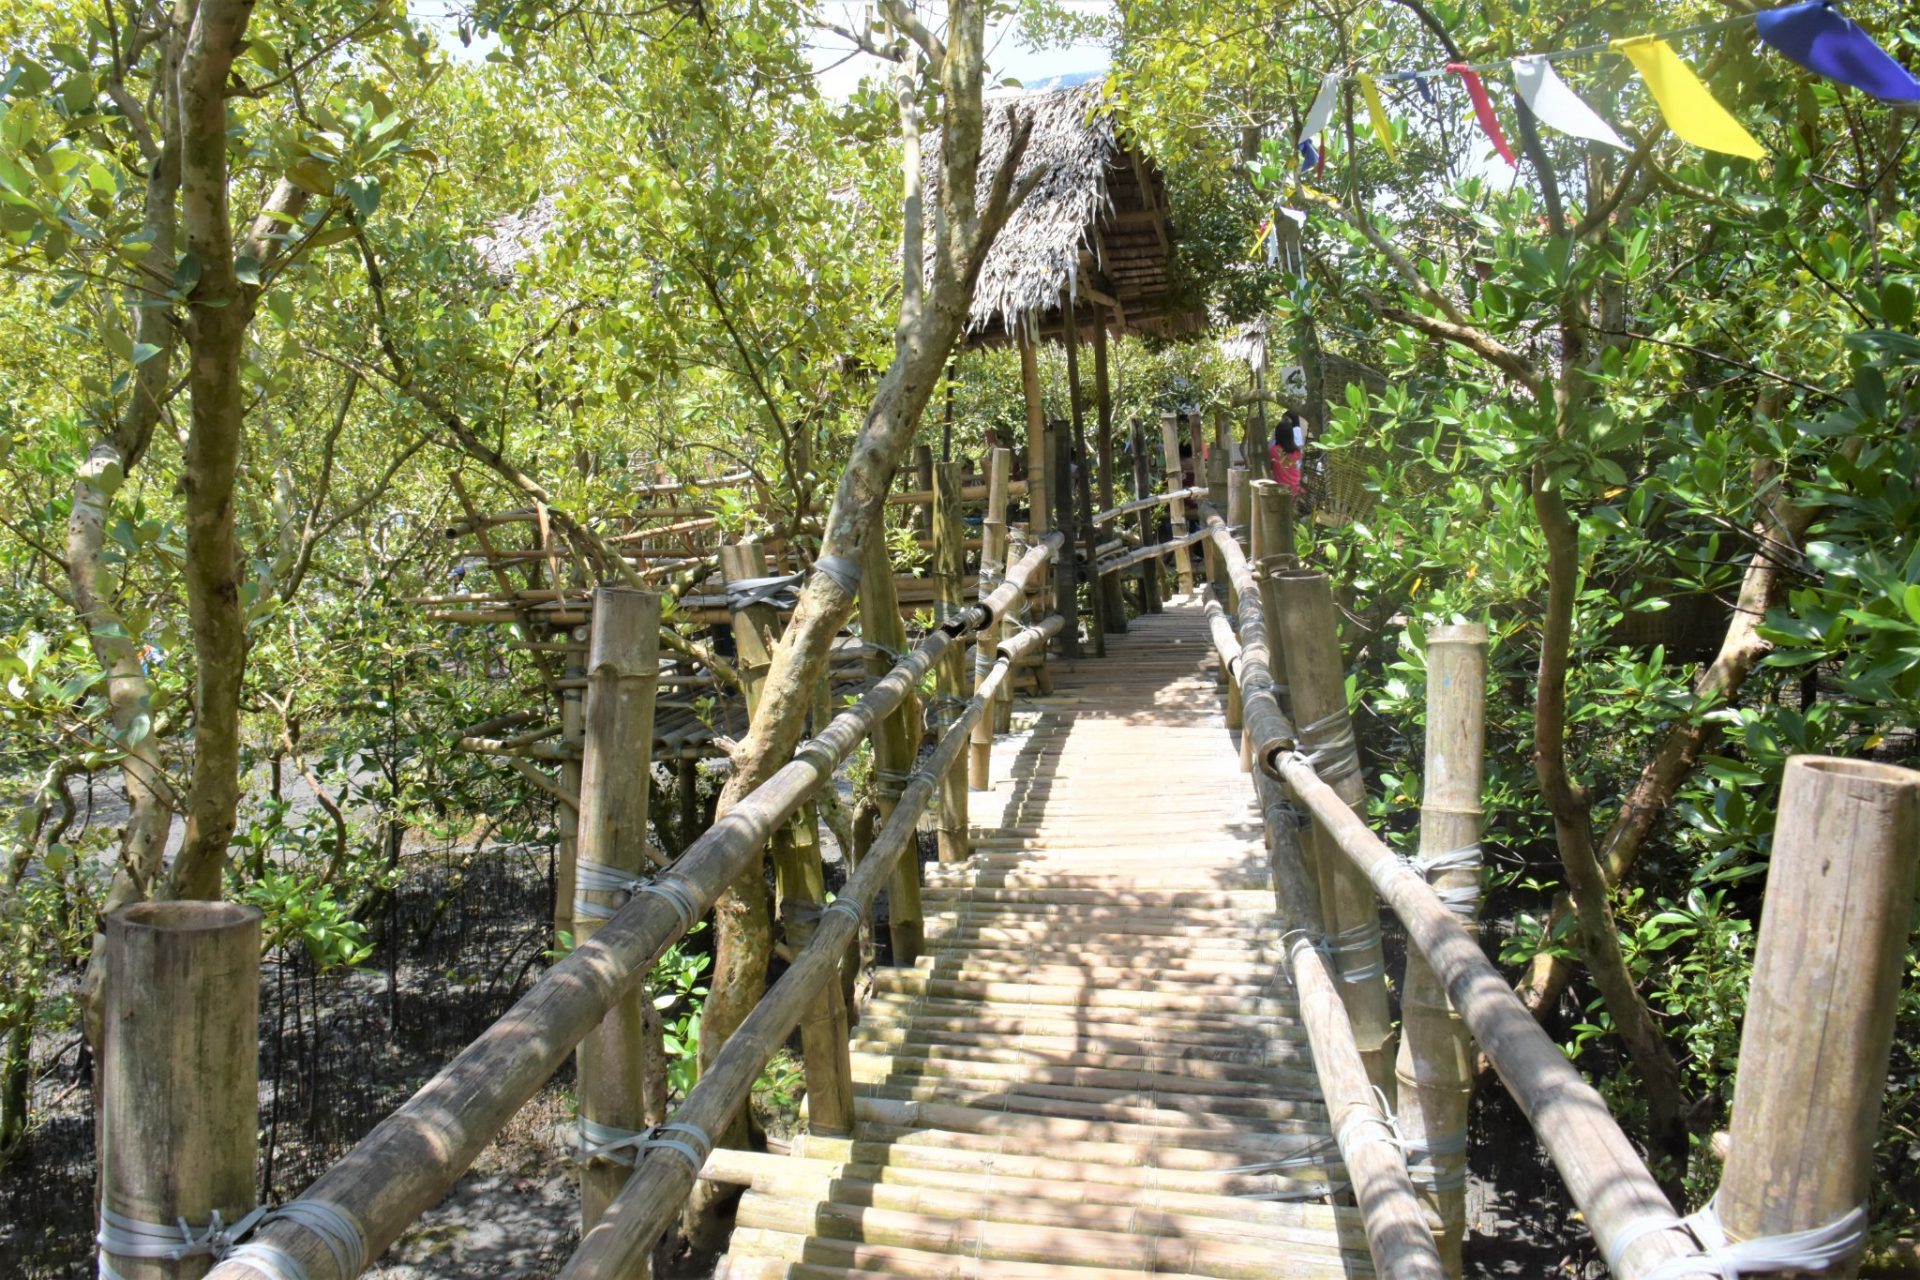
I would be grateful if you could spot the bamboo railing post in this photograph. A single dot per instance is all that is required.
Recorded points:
(1435, 1063)
(1316, 681)
(1203, 476)
(993, 563)
(1149, 522)
(1039, 490)
(1273, 556)
(895, 742)
(1113, 607)
(1236, 508)
(1078, 503)
(573, 729)
(1177, 508)
(1066, 576)
(1827, 970)
(797, 871)
(923, 478)
(179, 1078)
(618, 1094)
(950, 676)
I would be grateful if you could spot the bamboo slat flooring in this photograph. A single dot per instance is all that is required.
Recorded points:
(1096, 1071)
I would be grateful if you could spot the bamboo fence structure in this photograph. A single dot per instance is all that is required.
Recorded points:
(412, 1159)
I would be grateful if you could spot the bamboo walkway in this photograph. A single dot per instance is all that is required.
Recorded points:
(1096, 1072)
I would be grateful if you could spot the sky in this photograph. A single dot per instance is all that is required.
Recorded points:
(1006, 56)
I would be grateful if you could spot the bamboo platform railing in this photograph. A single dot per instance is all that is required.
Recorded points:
(1142, 1030)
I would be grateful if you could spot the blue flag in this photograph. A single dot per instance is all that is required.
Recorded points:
(1827, 42)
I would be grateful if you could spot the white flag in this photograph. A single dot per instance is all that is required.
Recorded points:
(1321, 112)
(1556, 105)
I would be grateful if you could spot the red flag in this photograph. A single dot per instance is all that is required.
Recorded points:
(1483, 109)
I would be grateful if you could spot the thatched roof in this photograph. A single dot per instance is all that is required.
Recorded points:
(1096, 226)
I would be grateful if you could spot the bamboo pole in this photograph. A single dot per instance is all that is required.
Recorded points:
(896, 740)
(993, 561)
(1827, 972)
(573, 730)
(1316, 681)
(662, 1177)
(1145, 501)
(1066, 578)
(1435, 1063)
(1622, 1204)
(179, 1078)
(1113, 607)
(1236, 523)
(1273, 555)
(618, 1095)
(1039, 460)
(1176, 508)
(950, 677)
(1203, 476)
(923, 478)
(1079, 501)
(413, 1157)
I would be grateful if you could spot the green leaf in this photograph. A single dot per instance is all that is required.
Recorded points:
(1913, 601)
(143, 352)
(246, 269)
(333, 235)
(280, 303)
(186, 273)
(26, 79)
(1896, 304)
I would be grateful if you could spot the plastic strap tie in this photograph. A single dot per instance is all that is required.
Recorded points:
(598, 877)
(780, 592)
(128, 1237)
(842, 571)
(1437, 1178)
(333, 1225)
(1462, 900)
(1816, 1249)
(819, 754)
(1358, 940)
(1331, 750)
(847, 907)
(1382, 1119)
(891, 783)
(625, 1146)
(1317, 1154)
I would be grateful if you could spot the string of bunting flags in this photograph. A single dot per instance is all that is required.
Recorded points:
(1814, 35)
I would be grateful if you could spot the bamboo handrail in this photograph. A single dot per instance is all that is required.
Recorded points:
(662, 1178)
(1143, 504)
(413, 1158)
(1126, 560)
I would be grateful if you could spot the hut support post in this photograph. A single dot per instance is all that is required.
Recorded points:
(1820, 1013)
(1177, 507)
(1316, 681)
(1435, 1064)
(993, 564)
(950, 676)
(1148, 523)
(1079, 499)
(619, 1094)
(894, 742)
(1066, 569)
(179, 1075)
(1113, 607)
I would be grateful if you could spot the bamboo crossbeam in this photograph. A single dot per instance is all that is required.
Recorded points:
(968, 493)
(1268, 730)
(413, 1157)
(1147, 503)
(625, 1234)
(1611, 1186)
(1115, 564)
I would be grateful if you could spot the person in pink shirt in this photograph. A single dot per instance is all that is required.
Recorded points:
(1289, 441)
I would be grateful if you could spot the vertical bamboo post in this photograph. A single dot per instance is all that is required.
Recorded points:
(1113, 606)
(1177, 508)
(993, 564)
(1827, 971)
(1149, 523)
(179, 1072)
(950, 675)
(1316, 680)
(1202, 475)
(1065, 571)
(1435, 1063)
(623, 674)
(687, 778)
(573, 728)
(1273, 556)
(1039, 501)
(1236, 508)
(923, 481)
(1079, 500)
(895, 743)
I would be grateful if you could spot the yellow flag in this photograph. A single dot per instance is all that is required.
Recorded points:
(1689, 108)
(1382, 127)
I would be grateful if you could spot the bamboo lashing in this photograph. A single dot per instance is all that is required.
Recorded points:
(662, 1178)
(413, 1157)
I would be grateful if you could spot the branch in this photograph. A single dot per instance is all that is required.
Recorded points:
(902, 18)
(1482, 344)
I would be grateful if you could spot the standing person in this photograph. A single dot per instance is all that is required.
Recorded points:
(1289, 441)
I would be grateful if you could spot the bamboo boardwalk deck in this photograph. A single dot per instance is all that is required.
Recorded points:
(1095, 1073)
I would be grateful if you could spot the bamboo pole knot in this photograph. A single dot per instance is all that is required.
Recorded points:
(1814, 1250)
